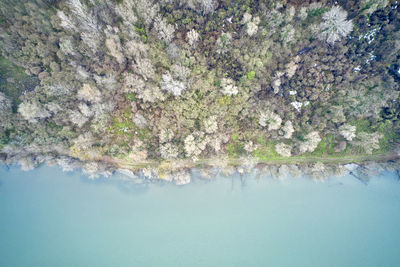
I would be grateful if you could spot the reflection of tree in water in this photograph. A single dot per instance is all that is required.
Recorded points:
(361, 178)
(364, 173)
(238, 178)
(132, 188)
(129, 185)
(5, 167)
(243, 181)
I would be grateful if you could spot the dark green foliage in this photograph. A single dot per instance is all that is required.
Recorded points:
(317, 11)
(14, 81)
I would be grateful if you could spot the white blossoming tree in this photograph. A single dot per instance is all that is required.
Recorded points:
(164, 30)
(287, 130)
(283, 149)
(228, 87)
(89, 93)
(348, 131)
(168, 151)
(32, 111)
(368, 141)
(194, 144)
(192, 37)
(171, 85)
(211, 125)
(310, 143)
(250, 23)
(270, 120)
(334, 26)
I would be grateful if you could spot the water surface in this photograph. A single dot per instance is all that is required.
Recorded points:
(51, 218)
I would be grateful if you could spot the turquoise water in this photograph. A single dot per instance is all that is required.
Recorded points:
(50, 218)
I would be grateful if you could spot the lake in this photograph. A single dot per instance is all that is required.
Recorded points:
(51, 218)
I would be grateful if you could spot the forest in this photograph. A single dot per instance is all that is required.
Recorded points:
(155, 88)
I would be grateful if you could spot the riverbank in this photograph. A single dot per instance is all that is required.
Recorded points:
(360, 166)
(217, 161)
(179, 171)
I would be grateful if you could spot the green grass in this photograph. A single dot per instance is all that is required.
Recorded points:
(235, 149)
(331, 147)
(267, 152)
(320, 151)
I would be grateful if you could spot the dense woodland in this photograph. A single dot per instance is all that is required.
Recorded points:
(159, 84)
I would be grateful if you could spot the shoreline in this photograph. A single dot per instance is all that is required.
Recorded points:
(180, 172)
(384, 157)
(361, 167)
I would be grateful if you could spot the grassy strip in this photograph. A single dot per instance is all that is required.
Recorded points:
(273, 161)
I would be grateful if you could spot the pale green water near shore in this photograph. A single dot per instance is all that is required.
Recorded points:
(50, 218)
